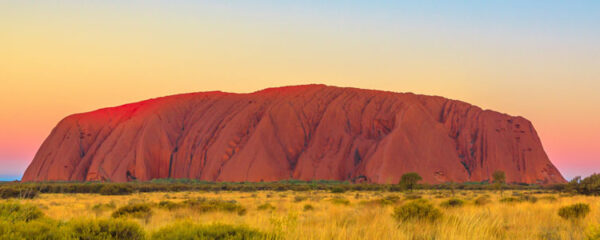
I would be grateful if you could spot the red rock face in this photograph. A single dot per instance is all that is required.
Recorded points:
(303, 132)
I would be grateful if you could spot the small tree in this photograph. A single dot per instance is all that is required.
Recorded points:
(573, 185)
(590, 185)
(410, 180)
(499, 179)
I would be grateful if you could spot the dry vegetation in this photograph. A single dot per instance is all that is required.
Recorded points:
(466, 214)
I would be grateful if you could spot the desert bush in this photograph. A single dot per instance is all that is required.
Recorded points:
(453, 202)
(18, 192)
(105, 229)
(13, 212)
(187, 230)
(482, 200)
(338, 189)
(138, 210)
(205, 205)
(299, 198)
(266, 206)
(37, 229)
(340, 201)
(574, 212)
(417, 210)
(308, 207)
(115, 189)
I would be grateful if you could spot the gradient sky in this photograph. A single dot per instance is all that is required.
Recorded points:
(537, 59)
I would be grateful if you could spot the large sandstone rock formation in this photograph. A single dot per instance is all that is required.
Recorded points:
(300, 132)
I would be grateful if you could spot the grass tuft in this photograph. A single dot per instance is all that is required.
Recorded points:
(574, 212)
(417, 210)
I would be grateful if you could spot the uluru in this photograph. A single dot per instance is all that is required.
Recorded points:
(308, 132)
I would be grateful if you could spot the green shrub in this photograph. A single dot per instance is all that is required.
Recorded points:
(115, 189)
(138, 210)
(191, 231)
(266, 206)
(308, 207)
(10, 211)
(36, 229)
(453, 202)
(417, 210)
(574, 212)
(105, 229)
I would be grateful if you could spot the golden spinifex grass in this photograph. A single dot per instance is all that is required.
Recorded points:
(363, 215)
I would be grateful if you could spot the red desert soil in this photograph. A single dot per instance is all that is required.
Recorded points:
(306, 132)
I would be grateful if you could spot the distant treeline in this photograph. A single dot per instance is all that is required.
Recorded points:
(29, 190)
(588, 186)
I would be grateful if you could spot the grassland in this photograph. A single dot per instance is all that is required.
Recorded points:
(321, 214)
